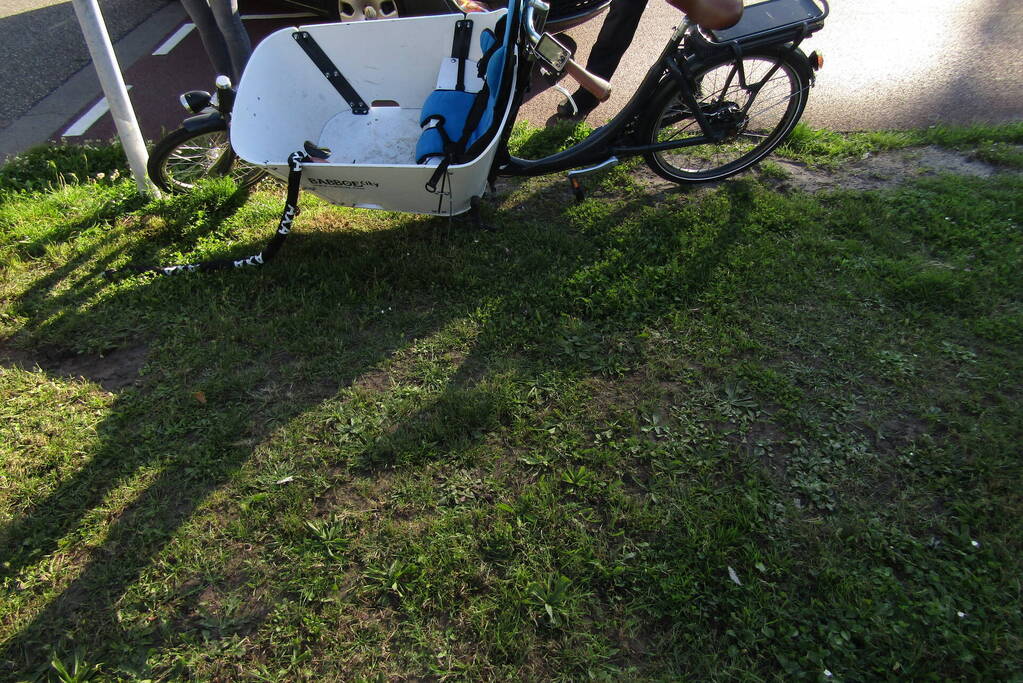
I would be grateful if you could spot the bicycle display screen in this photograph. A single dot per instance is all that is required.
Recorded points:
(553, 53)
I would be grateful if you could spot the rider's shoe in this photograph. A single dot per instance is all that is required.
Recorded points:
(577, 108)
(566, 112)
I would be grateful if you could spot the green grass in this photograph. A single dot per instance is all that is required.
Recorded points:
(46, 166)
(408, 449)
(998, 144)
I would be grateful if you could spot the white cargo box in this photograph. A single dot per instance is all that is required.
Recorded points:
(284, 100)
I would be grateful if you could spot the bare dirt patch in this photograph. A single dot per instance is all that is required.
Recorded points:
(346, 497)
(112, 370)
(871, 172)
(374, 380)
(882, 170)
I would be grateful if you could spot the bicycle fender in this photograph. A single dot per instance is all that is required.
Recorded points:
(801, 62)
(207, 121)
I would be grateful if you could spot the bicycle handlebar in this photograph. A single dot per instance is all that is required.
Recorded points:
(225, 95)
(594, 84)
(531, 31)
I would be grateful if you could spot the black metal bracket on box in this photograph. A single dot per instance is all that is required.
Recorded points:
(331, 72)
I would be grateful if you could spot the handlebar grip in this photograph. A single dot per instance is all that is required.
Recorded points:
(594, 84)
(225, 95)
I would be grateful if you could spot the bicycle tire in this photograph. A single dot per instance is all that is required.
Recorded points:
(754, 123)
(184, 157)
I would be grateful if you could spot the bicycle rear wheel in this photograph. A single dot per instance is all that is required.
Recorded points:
(753, 102)
(184, 157)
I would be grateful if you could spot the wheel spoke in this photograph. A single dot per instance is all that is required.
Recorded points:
(195, 158)
(182, 158)
(752, 103)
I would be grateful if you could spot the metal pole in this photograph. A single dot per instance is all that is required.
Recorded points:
(105, 61)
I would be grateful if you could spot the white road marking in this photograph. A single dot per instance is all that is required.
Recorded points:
(88, 119)
(173, 41)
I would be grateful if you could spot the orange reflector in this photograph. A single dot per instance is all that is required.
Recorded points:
(816, 60)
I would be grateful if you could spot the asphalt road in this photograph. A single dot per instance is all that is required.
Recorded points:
(41, 46)
(887, 65)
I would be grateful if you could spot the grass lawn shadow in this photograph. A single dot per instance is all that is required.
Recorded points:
(185, 427)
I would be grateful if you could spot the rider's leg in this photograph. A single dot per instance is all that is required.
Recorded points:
(209, 33)
(239, 46)
(615, 36)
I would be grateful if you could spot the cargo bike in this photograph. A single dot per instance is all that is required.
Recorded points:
(414, 114)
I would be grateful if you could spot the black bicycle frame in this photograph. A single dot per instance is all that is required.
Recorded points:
(603, 145)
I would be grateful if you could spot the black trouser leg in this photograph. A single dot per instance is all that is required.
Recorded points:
(615, 36)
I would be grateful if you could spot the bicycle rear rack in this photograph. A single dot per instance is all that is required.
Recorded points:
(772, 22)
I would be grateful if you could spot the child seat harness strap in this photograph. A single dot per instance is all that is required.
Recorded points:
(455, 121)
(460, 48)
(331, 72)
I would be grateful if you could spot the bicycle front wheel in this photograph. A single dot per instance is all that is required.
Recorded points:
(752, 103)
(184, 157)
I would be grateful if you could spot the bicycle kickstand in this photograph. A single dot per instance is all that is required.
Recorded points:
(476, 214)
(577, 188)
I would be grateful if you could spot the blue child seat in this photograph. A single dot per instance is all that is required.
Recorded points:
(457, 118)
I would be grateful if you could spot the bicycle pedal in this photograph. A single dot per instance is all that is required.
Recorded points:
(574, 176)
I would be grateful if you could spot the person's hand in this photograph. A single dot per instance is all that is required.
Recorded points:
(711, 14)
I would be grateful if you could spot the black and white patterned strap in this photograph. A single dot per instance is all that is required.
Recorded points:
(295, 163)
